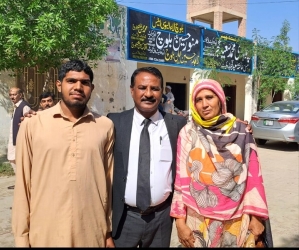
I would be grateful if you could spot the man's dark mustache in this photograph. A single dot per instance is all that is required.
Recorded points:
(148, 100)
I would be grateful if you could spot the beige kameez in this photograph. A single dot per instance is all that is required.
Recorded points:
(62, 195)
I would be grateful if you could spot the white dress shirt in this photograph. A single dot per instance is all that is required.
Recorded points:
(161, 159)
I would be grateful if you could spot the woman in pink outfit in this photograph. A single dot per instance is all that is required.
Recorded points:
(219, 193)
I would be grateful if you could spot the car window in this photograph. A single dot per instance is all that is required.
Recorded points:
(296, 108)
(282, 107)
(272, 108)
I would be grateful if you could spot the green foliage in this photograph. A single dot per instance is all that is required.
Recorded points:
(5, 168)
(44, 32)
(274, 63)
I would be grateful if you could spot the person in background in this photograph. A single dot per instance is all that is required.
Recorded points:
(64, 158)
(133, 225)
(20, 108)
(169, 105)
(46, 100)
(219, 195)
(163, 100)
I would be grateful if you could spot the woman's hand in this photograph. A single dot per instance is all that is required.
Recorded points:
(256, 226)
(185, 234)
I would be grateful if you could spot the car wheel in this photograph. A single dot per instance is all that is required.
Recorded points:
(260, 141)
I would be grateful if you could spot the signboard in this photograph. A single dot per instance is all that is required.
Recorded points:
(157, 39)
(229, 57)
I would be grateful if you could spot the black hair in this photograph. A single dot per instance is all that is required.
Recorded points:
(46, 94)
(20, 91)
(152, 70)
(75, 65)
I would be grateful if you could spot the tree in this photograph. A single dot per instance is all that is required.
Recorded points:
(44, 32)
(274, 64)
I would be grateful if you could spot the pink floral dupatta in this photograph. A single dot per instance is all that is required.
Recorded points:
(218, 172)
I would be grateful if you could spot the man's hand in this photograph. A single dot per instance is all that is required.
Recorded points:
(30, 113)
(109, 241)
(256, 226)
(27, 114)
(249, 127)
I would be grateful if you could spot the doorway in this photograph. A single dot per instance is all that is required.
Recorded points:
(179, 92)
(230, 93)
(34, 83)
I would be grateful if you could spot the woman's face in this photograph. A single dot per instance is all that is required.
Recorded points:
(207, 104)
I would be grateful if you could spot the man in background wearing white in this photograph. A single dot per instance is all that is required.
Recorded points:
(168, 105)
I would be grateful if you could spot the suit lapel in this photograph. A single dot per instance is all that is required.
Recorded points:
(171, 126)
(126, 124)
(172, 132)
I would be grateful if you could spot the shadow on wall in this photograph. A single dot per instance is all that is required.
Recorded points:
(6, 109)
(4, 131)
(4, 97)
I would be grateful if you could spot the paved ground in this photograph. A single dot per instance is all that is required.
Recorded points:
(280, 168)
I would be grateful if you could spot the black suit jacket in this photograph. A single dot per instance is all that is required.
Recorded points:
(123, 127)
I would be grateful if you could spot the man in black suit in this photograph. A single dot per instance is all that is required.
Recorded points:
(132, 226)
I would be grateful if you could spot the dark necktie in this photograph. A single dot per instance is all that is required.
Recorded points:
(143, 196)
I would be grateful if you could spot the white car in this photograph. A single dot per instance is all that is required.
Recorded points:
(278, 122)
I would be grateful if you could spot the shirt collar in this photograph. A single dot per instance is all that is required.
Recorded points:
(18, 103)
(140, 118)
(57, 111)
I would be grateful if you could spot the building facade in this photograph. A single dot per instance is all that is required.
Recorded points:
(128, 52)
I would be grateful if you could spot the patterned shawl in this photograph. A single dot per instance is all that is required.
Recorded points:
(218, 172)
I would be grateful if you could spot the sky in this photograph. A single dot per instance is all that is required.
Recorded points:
(267, 16)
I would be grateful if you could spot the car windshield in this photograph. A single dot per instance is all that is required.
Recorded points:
(282, 107)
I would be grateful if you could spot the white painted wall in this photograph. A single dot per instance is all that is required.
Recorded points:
(4, 130)
(6, 108)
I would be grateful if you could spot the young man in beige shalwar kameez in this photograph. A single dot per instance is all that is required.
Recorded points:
(64, 158)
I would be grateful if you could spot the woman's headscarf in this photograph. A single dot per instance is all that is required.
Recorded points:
(211, 85)
(218, 90)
